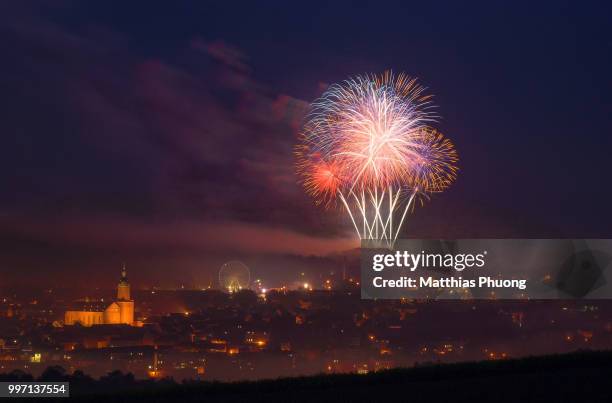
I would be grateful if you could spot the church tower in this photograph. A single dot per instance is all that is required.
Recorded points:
(126, 305)
(123, 289)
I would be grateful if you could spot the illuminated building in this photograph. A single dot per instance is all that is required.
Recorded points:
(120, 311)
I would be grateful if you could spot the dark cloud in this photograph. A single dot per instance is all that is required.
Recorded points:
(123, 153)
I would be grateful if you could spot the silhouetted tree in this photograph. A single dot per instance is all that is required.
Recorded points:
(16, 375)
(118, 378)
(53, 373)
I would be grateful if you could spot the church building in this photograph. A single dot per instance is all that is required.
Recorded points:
(120, 311)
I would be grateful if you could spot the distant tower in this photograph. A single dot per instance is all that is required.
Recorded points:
(126, 305)
(154, 371)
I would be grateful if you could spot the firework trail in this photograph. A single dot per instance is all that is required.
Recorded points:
(368, 146)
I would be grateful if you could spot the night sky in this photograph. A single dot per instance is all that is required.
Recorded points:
(161, 134)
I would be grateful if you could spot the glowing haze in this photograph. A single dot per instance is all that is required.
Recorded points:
(367, 143)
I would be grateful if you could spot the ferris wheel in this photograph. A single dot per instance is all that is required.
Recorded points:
(234, 276)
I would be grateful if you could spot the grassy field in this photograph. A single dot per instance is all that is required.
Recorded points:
(575, 377)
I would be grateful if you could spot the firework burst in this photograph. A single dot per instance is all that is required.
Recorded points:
(367, 143)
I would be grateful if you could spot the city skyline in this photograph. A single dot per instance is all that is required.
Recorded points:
(371, 201)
